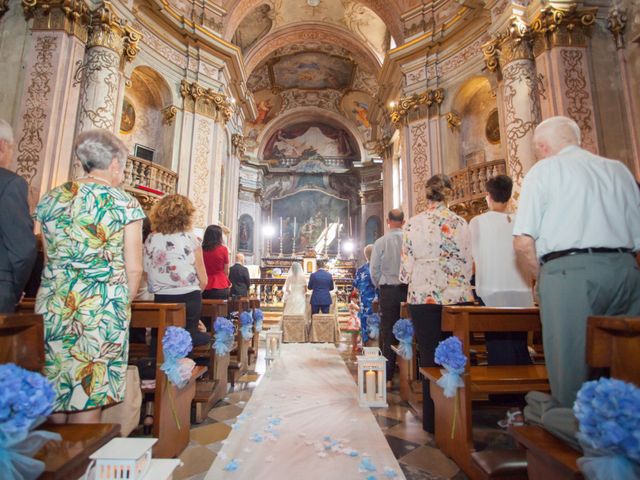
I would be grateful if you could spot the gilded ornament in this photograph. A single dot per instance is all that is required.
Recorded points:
(206, 101)
(413, 102)
(130, 43)
(562, 27)
(453, 120)
(237, 142)
(71, 16)
(169, 114)
(106, 29)
(616, 23)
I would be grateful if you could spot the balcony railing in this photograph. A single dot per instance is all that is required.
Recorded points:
(143, 173)
(468, 187)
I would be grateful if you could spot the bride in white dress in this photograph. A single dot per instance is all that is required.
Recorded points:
(294, 291)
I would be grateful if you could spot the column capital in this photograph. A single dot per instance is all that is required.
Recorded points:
(237, 142)
(512, 44)
(413, 102)
(566, 26)
(110, 31)
(70, 16)
(616, 23)
(206, 101)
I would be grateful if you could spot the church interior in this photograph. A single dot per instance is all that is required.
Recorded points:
(296, 126)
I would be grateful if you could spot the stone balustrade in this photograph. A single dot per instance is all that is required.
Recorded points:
(468, 187)
(139, 172)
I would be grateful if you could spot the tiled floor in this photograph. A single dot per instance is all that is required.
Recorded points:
(413, 447)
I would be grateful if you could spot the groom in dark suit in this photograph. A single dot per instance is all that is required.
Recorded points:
(321, 282)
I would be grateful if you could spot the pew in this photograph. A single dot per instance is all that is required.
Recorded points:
(172, 438)
(239, 360)
(254, 303)
(410, 384)
(612, 343)
(22, 343)
(480, 381)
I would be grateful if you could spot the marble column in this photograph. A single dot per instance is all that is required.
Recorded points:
(45, 128)
(510, 56)
(109, 44)
(562, 62)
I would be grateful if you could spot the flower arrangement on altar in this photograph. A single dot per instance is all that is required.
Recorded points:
(26, 399)
(224, 331)
(608, 412)
(176, 345)
(258, 316)
(449, 354)
(246, 325)
(403, 331)
(373, 325)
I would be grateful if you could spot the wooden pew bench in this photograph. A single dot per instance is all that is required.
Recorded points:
(480, 381)
(254, 304)
(172, 438)
(410, 383)
(612, 343)
(239, 360)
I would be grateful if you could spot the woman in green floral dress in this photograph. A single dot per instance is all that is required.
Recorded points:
(93, 243)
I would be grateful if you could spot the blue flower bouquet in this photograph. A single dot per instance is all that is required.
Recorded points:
(258, 316)
(608, 412)
(449, 355)
(176, 345)
(373, 325)
(403, 331)
(246, 325)
(26, 399)
(223, 328)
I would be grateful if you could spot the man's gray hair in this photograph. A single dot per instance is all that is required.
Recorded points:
(559, 131)
(96, 149)
(6, 132)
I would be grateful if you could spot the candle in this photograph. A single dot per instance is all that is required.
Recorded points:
(280, 227)
(273, 345)
(370, 383)
(295, 226)
(350, 234)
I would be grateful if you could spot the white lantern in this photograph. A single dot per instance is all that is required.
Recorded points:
(372, 378)
(274, 341)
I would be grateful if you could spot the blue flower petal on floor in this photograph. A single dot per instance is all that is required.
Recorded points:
(390, 473)
(371, 477)
(366, 465)
(275, 421)
(232, 466)
(256, 437)
(353, 453)
(327, 438)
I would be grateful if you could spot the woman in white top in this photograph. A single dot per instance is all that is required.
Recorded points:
(173, 261)
(499, 280)
(294, 291)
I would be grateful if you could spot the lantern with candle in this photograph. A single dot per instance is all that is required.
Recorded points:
(372, 378)
(274, 340)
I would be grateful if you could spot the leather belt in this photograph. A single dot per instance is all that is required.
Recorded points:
(576, 251)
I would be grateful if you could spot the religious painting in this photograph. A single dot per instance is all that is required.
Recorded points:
(492, 129)
(372, 229)
(128, 117)
(245, 233)
(356, 107)
(253, 27)
(310, 218)
(309, 140)
(267, 105)
(312, 71)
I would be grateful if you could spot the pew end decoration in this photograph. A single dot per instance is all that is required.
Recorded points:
(449, 354)
(373, 325)
(26, 399)
(258, 316)
(403, 331)
(372, 378)
(224, 332)
(176, 345)
(608, 413)
(246, 325)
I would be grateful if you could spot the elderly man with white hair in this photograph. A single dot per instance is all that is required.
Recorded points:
(17, 242)
(577, 228)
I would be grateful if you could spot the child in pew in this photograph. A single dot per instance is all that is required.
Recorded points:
(353, 325)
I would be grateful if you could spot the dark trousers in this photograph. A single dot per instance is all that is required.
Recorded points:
(7, 298)
(320, 308)
(216, 294)
(193, 306)
(391, 296)
(427, 327)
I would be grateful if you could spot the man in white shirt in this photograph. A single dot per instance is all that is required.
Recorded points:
(385, 275)
(499, 280)
(578, 224)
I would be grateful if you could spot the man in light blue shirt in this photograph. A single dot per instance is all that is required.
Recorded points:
(385, 274)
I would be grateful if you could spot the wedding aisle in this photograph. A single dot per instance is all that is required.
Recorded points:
(303, 421)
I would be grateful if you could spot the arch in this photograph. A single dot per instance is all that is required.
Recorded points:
(310, 114)
(372, 229)
(246, 227)
(306, 32)
(387, 10)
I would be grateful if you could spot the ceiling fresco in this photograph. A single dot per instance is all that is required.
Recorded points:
(311, 71)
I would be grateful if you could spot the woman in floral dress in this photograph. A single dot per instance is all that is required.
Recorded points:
(363, 284)
(436, 264)
(93, 243)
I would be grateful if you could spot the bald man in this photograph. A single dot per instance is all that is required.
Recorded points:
(577, 227)
(239, 277)
(385, 275)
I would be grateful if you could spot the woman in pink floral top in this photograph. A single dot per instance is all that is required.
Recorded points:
(436, 264)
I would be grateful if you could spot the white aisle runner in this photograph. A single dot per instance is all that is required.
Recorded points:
(303, 422)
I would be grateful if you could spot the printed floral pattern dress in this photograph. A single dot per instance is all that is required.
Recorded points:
(436, 257)
(368, 293)
(84, 293)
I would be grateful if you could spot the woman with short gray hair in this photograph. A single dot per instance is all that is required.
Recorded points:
(92, 233)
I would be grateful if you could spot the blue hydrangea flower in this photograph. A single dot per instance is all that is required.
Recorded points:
(403, 331)
(176, 343)
(449, 355)
(373, 325)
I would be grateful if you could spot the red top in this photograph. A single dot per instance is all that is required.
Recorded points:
(214, 262)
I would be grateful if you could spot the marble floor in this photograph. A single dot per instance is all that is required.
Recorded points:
(413, 447)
